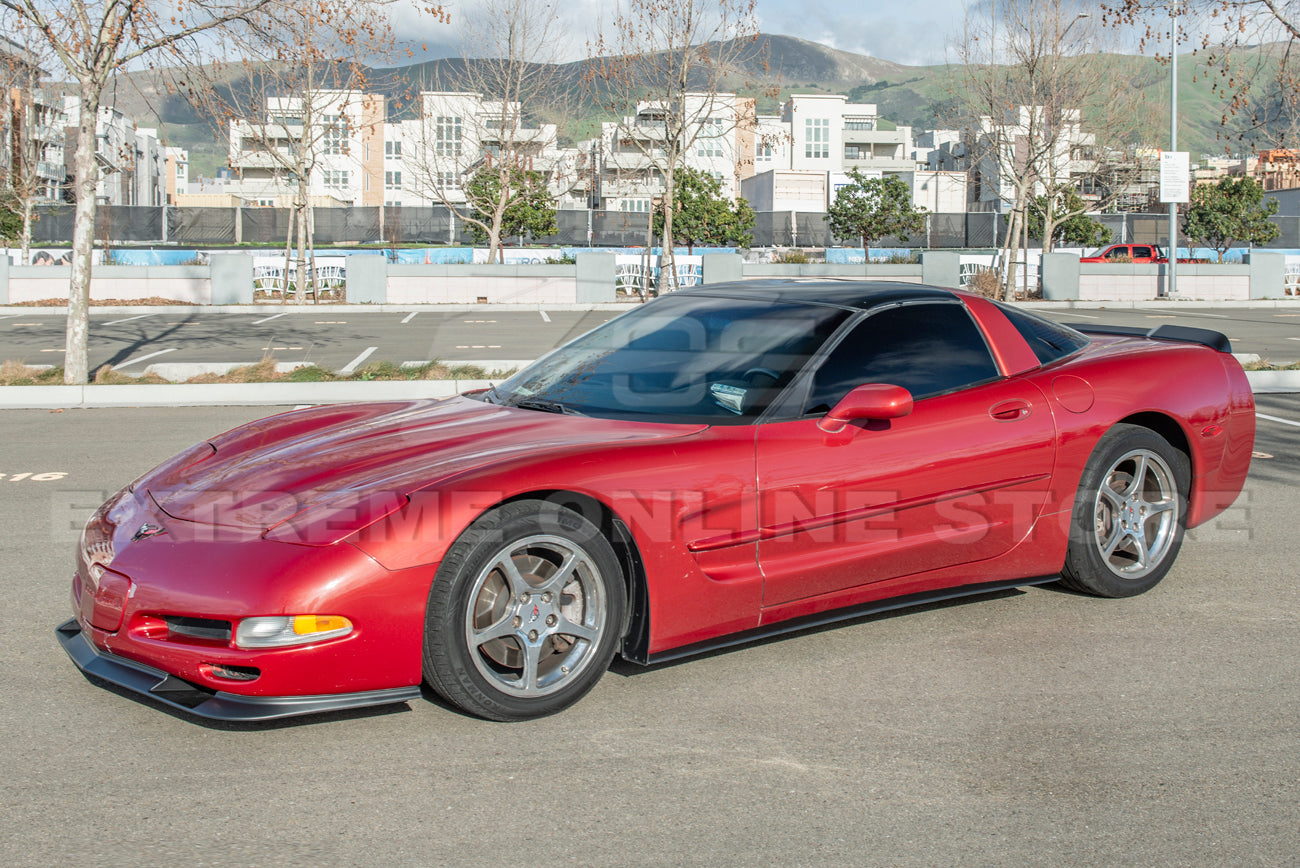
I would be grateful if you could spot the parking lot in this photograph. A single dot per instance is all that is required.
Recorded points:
(345, 340)
(1027, 728)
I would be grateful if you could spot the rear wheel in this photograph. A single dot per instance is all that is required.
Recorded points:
(524, 614)
(1129, 514)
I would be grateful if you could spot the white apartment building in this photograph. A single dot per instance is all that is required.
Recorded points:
(177, 162)
(130, 160)
(335, 136)
(1065, 157)
(720, 135)
(459, 133)
(32, 128)
(827, 133)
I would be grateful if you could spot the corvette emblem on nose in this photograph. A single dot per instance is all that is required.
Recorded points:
(536, 612)
(147, 529)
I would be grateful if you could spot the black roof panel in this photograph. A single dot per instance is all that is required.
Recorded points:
(857, 294)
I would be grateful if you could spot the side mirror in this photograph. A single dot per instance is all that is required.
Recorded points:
(870, 401)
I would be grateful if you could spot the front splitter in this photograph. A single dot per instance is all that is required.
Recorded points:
(192, 699)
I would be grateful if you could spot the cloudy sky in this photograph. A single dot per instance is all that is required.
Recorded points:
(905, 31)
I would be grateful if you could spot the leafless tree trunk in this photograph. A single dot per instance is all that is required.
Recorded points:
(92, 41)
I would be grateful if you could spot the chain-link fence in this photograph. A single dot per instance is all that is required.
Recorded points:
(436, 224)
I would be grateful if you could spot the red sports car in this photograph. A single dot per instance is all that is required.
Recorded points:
(720, 464)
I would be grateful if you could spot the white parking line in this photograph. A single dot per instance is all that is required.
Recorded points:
(409, 317)
(1080, 315)
(352, 365)
(128, 319)
(1276, 419)
(267, 318)
(544, 315)
(139, 359)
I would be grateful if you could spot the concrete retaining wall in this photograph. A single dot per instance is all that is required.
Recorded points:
(187, 283)
(373, 280)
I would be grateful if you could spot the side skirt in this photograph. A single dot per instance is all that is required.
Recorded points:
(833, 616)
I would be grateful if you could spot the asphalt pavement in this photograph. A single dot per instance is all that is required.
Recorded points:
(344, 338)
(1022, 729)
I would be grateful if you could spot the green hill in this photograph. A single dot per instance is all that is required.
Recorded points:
(918, 96)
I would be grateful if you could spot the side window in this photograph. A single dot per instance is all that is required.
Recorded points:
(925, 348)
(1118, 253)
(1142, 253)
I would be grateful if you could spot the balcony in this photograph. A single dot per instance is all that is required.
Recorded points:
(50, 170)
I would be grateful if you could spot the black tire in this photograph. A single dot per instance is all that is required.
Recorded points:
(525, 613)
(1129, 514)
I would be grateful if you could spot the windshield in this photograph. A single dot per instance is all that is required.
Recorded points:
(685, 357)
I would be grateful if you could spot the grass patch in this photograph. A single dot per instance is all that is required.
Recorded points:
(15, 373)
(152, 301)
(1265, 365)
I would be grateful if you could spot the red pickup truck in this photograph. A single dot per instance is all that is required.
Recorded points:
(1138, 253)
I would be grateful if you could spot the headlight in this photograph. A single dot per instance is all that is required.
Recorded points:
(277, 631)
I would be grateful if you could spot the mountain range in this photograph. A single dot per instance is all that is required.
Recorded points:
(917, 96)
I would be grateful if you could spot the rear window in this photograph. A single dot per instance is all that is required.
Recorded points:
(1049, 340)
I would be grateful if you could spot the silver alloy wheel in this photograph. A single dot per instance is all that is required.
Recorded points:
(536, 614)
(1136, 513)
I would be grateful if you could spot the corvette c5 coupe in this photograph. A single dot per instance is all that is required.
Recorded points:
(720, 464)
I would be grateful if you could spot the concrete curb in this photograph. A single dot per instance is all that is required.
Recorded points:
(1265, 382)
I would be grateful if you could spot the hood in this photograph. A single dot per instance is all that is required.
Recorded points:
(263, 473)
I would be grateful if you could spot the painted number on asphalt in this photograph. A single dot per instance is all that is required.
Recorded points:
(32, 477)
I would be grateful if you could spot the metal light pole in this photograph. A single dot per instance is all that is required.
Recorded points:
(1173, 144)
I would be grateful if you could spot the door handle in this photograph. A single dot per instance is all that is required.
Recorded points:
(1010, 411)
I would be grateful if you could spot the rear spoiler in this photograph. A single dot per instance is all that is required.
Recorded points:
(1206, 337)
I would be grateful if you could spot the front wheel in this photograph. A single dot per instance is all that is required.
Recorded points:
(1129, 514)
(525, 613)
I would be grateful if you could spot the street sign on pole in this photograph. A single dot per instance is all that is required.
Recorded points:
(1175, 176)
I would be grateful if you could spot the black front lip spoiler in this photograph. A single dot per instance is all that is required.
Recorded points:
(201, 702)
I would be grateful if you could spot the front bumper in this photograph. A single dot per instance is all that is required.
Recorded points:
(203, 702)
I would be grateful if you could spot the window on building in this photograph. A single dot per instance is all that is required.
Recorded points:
(392, 180)
(763, 151)
(636, 206)
(446, 180)
(393, 149)
(447, 133)
(817, 138)
(337, 178)
(859, 124)
(335, 139)
(709, 143)
(856, 152)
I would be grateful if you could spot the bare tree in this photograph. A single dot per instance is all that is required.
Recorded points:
(485, 120)
(661, 71)
(291, 97)
(93, 40)
(1251, 50)
(1028, 78)
(32, 138)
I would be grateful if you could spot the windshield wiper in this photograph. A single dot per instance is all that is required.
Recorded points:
(545, 406)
